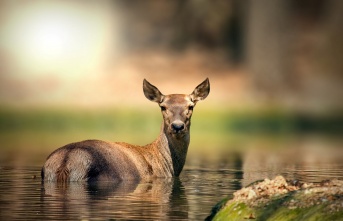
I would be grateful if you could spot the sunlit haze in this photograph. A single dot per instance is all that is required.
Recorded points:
(97, 53)
(60, 38)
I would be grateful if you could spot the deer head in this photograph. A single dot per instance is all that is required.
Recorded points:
(176, 109)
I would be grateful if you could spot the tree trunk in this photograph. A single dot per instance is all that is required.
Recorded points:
(268, 46)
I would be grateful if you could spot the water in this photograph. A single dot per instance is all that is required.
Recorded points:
(205, 180)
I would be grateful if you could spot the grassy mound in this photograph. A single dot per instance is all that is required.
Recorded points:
(279, 199)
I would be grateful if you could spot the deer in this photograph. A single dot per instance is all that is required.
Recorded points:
(97, 160)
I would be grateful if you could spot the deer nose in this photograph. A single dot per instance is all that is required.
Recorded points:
(178, 126)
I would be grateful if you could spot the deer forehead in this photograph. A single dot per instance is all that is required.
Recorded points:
(177, 100)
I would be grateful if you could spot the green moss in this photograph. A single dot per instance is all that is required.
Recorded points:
(275, 211)
(235, 212)
(313, 213)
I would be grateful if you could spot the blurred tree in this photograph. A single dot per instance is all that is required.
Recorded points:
(331, 51)
(295, 48)
(268, 57)
(202, 23)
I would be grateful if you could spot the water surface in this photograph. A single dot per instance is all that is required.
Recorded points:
(205, 180)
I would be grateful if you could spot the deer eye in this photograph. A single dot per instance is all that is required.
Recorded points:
(163, 108)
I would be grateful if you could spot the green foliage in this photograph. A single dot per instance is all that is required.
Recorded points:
(210, 127)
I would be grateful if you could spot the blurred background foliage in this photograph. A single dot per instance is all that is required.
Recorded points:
(72, 70)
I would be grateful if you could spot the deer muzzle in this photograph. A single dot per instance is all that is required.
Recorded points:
(178, 126)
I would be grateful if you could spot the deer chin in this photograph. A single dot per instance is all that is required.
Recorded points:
(178, 133)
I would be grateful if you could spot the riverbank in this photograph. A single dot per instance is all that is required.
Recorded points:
(279, 199)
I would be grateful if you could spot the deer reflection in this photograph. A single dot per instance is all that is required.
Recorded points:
(156, 198)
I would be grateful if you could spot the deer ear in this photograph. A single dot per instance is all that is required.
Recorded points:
(151, 92)
(201, 91)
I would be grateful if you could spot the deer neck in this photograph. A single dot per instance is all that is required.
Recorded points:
(173, 149)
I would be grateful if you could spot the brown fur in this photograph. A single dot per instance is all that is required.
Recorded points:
(62, 174)
(94, 160)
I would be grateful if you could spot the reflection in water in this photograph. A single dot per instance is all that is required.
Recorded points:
(205, 180)
(157, 199)
(305, 160)
(189, 197)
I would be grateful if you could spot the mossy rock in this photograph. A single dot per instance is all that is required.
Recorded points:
(280, 200)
